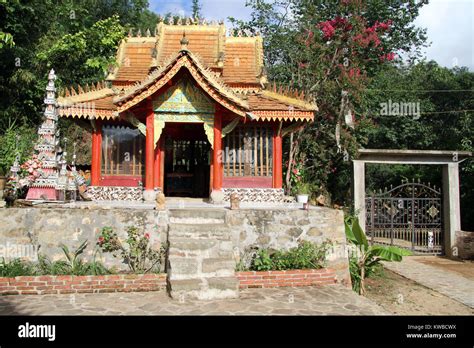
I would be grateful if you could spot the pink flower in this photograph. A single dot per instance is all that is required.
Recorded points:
(388, 57)
(101, 240)
(147, 235)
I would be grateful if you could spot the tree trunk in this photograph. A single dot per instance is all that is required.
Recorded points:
(288, 168)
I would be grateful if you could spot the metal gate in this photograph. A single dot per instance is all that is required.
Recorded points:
(407, 216)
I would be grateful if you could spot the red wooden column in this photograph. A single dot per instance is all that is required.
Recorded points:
(149, 147)
(277, 158)
(157, 169)
(96, 153)
(217, 154)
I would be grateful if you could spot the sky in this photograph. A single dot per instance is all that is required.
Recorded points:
(450, 24)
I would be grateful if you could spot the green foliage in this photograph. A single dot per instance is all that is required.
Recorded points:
(303, 188)
(365, 260)
(137, 253)
(299, 54)
(74, 263)
(91, 51)
(46, 266)
(262, 261)
(306, 255)
(443, 94)
(15, 268)
(15, 141)
(196, 9)
(76, 38)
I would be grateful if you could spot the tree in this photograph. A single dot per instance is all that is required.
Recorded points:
(77, 39)
(196, 9)
(325, 49)
(38, 25)
(443, 123)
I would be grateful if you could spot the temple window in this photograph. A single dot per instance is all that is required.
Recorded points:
(122, 151)
(248, 151)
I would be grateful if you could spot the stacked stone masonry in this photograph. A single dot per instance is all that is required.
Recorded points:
(43, 230)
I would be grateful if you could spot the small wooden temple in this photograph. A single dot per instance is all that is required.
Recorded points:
(188, 111)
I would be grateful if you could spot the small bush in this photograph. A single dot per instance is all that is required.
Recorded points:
(73, 265)
(16, 268)
(306, 255)
(137, 253)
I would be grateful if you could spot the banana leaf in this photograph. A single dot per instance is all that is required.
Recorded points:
(389, 253)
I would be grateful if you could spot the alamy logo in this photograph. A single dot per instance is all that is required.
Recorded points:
(400, 109)
(14, 251)
(34, 331)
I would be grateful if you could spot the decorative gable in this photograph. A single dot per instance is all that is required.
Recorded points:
(185, 97)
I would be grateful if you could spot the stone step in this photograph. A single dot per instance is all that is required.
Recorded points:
(176, 229)
(196, 266)
(197, 216)
(204, 288)
(177, 254)
(219, 265)
(193, 245)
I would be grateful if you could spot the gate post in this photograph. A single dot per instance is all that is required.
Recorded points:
(451, 206)
(359, 191)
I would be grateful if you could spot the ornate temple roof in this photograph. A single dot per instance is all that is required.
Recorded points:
(230, 69)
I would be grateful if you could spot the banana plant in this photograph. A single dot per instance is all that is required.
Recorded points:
(368, 257)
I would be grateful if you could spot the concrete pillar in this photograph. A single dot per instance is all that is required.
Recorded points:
(451, 206)
(359, 191)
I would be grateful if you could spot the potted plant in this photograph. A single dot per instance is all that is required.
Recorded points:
(303, 190)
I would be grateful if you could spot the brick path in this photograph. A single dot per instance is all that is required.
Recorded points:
(328, 300)
(445, 282)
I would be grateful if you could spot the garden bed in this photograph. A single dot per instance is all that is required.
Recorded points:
(67, 284)
(291, 278)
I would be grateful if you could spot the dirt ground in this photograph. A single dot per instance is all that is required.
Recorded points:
(402, 296)
(463, 268)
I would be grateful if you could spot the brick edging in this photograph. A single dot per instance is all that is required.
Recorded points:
(65, 284)
(273, 279)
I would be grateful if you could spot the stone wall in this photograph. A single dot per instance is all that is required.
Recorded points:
(465, 245)
(283, 229)
(47, 228)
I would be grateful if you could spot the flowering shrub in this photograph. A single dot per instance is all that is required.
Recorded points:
(297, 173)
(138, 254)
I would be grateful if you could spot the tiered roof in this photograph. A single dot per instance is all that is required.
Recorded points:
(229, 68)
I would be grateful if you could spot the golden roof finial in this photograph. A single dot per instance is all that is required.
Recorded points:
(184, 42)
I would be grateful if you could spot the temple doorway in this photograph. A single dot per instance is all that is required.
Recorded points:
(187, 160)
